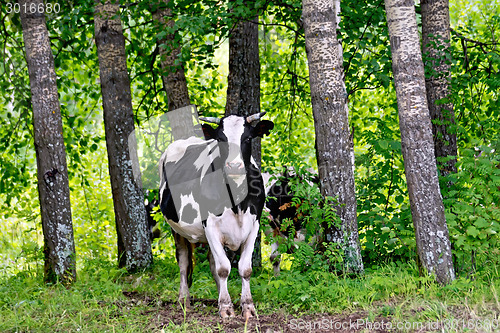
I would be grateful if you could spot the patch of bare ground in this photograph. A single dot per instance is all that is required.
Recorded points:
(203, 317)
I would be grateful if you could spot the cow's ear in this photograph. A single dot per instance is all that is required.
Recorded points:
(208, 131)
(262, 128)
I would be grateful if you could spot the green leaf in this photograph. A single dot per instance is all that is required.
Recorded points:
(472, 231)
(481, 223)
(385, 229)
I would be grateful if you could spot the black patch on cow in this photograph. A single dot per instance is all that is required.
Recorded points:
(167, 206)
(262, 128)
(189, 213)
(256, 195)
(280, 204)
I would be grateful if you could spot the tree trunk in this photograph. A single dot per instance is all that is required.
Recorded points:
(173, 76)
(334, 146)
(431, 231)
(52, 171)
(436, 50)
(243, 87)
(134, 246)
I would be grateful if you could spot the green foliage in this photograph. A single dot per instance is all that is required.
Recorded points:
(471, 196)
(365, 42)
(201, 29)
(473, 213)
(315, 213)
(285, 92)
(320, 290)
(17, 158)
(384, 217)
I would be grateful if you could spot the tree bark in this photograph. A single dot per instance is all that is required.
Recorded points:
(52, 171)
(173, 76)
(134, 246)
(431, 231)
(243, 87)
(436, 50)
(334, 146)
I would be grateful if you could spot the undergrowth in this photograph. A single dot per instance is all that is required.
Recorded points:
(105, 298)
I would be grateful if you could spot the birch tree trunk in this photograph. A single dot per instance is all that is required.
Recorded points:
(173, 76)
(431, 231)
(436, 50)
(243, 87)
(134, 246)
(334, 147)
(52, 171)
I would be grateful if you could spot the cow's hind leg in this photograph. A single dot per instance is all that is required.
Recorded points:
(245, 270)
(211, 261)
(184, 255)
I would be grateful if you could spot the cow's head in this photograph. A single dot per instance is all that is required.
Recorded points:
(235, 134)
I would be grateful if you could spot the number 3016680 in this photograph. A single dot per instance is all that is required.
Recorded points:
(33, 8)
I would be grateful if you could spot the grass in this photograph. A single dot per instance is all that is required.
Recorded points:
(97, 302)
(107, 299)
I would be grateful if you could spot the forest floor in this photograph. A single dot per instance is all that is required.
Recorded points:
(390, 297)
(203, 317)
(106, 299)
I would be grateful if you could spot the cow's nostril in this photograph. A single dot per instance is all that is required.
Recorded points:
(234, 165)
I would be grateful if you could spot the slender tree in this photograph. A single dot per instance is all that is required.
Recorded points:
(334, 147)
(431, 231)
(173, 76)
(243, 82)
(437, 62)
(243, 86)
(134, 246)
(52, 171)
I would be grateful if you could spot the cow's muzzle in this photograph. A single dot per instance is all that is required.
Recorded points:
(234, 169)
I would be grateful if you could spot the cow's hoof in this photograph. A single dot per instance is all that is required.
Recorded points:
(248, 311)
(226, 310)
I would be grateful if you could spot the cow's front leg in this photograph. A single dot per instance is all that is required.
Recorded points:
(245, 268)
(184, 255)
(222, 269)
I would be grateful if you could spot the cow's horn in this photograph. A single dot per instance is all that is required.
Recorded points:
(256, 116)
(213, 120)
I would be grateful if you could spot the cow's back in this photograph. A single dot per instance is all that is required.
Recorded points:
(187, 181)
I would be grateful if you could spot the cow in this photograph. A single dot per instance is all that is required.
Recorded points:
(211, 191)
(280, 206)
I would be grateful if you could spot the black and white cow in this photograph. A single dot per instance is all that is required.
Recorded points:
(280, 206)
(211, 191)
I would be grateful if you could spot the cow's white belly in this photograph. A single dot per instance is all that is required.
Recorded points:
(193, 232)
(232, 229)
